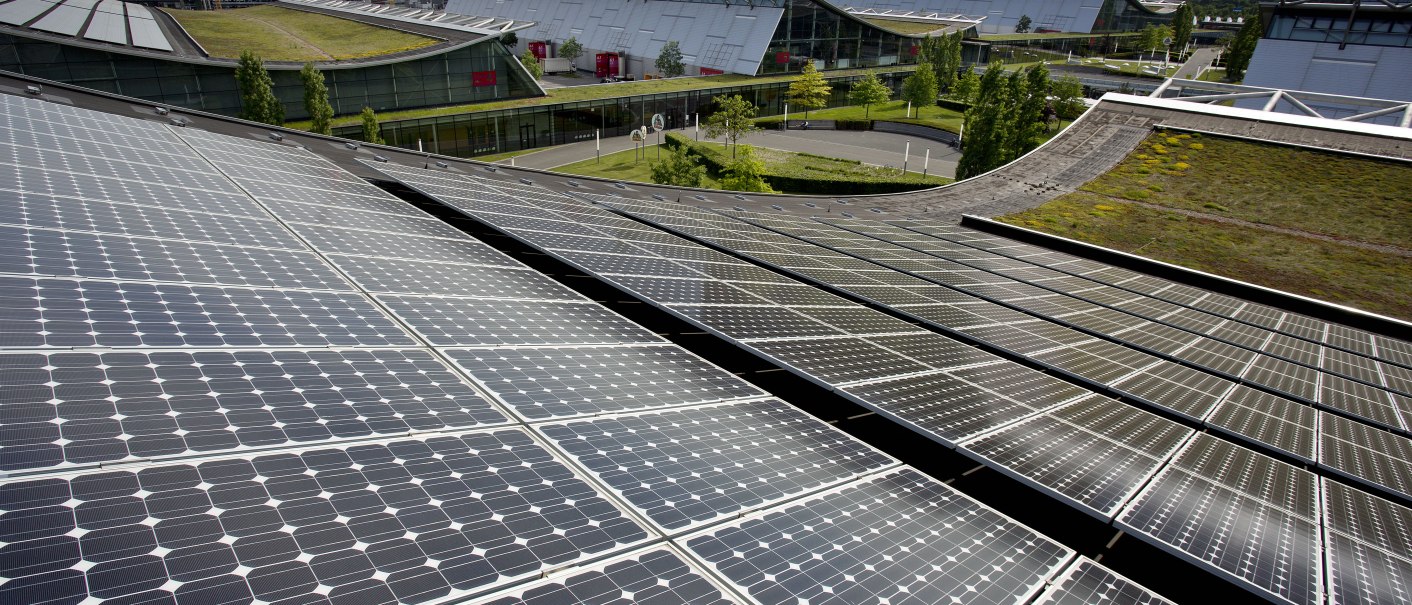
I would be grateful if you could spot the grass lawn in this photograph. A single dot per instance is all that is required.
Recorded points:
(1347, 198)
(1215, 74)
(496, 157)
(280, 34)
(904, 27)
(892, 111)
(620, 166)
(571, 94)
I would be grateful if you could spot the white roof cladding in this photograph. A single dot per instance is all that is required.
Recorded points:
(1379, 72)
(1002, 15)
(717, 36)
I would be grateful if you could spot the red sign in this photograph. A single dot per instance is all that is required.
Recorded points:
(482, 78)
(915, 50)
(782, 57)
(707, 71)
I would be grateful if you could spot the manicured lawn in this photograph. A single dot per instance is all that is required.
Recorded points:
(496, 157)
(893, 111)
(570, 94)
(1135, 208)
(280, 34)
(621, 166)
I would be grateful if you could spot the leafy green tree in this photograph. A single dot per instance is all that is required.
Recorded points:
(316, 100)
(944, 54)
(571, 49)
(746, 173)
(987, 121)
(1182, 25)
(1151, 37)
(1242, 48)
(1068, 95)
(1023, 25)
(868, 91)
(372, 132)
(1030, 96)
(257, 91)
(809, 90)
(669, 60)
(966, 87)
(920, 87)
(680, 168)
(510, 39)
(734, 118)
(531, 63)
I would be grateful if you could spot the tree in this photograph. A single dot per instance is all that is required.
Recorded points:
(1151, 37)
(571, 49)
(510, 39)
(944, 54)
(1182, 24)
(316, 100)
(734, 118)
(966, 87)
(809, 90)
(1030, 96)
(746, 173)
(920, 87)
(257, 91)
(531, 64)
(680, 168)
(1242, 48)
(986, 121)
(868, 91)
(372, 133)
(669, 60)
(1023, 25)
(1068, 97)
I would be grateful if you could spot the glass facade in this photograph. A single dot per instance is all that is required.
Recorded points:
(487, 132)
(439, 79)
(1367, 28)
(809, 32)
(1127, 16)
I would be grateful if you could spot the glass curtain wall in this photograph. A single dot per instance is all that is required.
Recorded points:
(487, 132)
(440, 79)
(809, 32)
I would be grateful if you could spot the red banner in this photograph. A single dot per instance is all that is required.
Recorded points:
(782, 57)
(483, 78)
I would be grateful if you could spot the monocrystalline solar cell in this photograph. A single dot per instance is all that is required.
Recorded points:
(1088, 583)
(933, 349)
(687, 291)
(84, 313)
(924, 543)
(334, 240)
(459, 322)
(1359, 573)
(85, 408)
(755, 322)
(447, 279)
(557, 382)
(403, 520)
(45, 211)
(839, 360)
(657, 576)
(945, 407)
(690, 466)
(359, 219)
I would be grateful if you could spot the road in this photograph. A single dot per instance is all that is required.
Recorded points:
(878, 148)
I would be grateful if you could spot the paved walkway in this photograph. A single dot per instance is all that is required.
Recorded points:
(1201, 57)
(878, 148)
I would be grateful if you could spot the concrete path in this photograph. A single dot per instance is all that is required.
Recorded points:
(878, 148)
(1201, 57)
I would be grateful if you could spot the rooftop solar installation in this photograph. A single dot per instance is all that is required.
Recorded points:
(1112, 460)
(216, 385)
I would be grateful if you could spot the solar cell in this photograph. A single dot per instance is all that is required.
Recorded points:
(925, 543)
(85, 408)
(83, 313)
(656, 576)
(45, 211)
(755, 322)
(940, 405)
(558, 382)
(1088, 583)
(1359, 573)
(454, 322)
(686, 467)
(447, 279)
(410, 520)
(839, 360)
(1267, 419)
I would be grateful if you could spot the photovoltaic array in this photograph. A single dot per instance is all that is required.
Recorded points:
(233, 372)
(1233, 503)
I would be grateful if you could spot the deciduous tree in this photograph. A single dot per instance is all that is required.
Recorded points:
(571, 49)
(1068, 95)
(746, 173)
(1182, 24)
(966, 87)
(1242, 48)
(531, 64)
(734, 118)
(669, 63)
(920, 87)
(809, 90)
(679, 168)
(1023, 25)
(868, 91)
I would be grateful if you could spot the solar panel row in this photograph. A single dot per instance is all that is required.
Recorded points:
(1090, 451)
(289, 437)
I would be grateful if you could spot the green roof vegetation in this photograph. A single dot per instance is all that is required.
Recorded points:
(281, 34)
(1049, 36)
(1314, 223)
(572, 94)
(905, 27)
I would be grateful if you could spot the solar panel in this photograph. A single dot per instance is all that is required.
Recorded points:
(545, 383)
(755, 322)
(839, 361)
(20, 12)
(145, 31)
(45, 211)
(687, 467)
(1266, 419)
(659, 576)
(925, 543)
(1087, 583)
(66, 19)
(411, 519)
(452, 322)
(109, 23)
